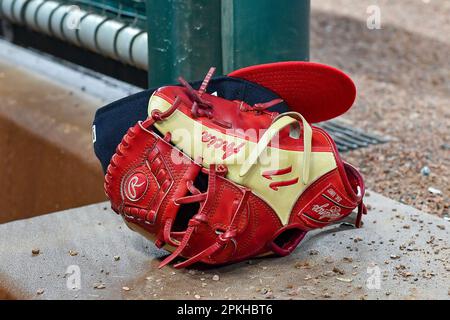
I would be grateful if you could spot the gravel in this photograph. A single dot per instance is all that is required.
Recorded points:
(401, 73)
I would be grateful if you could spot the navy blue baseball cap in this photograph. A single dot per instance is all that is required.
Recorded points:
(112, 121)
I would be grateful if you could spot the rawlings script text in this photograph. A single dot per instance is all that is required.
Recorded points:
(325, 211)
(229, 148)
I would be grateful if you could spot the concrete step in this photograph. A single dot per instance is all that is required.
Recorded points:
(400, 253)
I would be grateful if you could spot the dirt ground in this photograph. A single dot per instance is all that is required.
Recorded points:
(402, 75)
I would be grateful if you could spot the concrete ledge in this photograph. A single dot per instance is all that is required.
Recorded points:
(400, 253)
(92, 234)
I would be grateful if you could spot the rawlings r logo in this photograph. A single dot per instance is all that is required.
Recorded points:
(135, 186)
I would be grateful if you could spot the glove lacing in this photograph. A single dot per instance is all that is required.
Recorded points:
(203, 108)
(223, 237)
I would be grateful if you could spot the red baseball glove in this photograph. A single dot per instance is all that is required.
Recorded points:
(219, 181)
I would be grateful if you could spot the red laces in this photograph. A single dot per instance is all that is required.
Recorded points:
(201, 107)
(259, 107)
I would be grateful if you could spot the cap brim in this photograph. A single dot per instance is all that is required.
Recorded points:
(319, 92)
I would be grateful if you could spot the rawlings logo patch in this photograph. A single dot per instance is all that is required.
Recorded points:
(328, 206)
(135, 186)
(327, 211)
(228, 148)
(333, 195)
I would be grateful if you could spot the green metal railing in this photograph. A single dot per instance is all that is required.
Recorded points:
(262, 31)
(188, 36)
(184, 39)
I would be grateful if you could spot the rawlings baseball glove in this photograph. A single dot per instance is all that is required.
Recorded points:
(219, 181)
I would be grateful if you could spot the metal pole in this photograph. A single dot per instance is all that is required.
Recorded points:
(261, 31)
(184, 38)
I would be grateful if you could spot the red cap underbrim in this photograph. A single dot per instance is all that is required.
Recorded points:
(319, 92)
